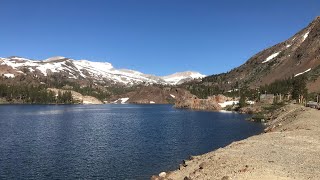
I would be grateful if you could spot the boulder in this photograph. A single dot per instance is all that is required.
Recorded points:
(162, 174)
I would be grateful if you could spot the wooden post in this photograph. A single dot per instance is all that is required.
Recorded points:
(299, 101)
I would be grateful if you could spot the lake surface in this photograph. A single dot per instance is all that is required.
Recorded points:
(109, 141)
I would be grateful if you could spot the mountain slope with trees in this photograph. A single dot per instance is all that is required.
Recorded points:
(269, 69)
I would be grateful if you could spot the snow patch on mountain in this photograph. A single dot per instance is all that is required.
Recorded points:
(271, 57)
(121, 100)
(9, 75)
(302, 72)
(53, 67)
(305, 35)
(55, 58)
(98, 71)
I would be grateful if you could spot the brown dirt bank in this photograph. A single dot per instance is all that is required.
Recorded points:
(290, 150)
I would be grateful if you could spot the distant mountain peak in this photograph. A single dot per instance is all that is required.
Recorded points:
(317, 18)
(55, 58)
(181, 77)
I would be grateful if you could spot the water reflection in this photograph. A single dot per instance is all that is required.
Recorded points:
(109, 141)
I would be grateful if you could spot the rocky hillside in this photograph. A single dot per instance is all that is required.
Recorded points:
(85, 71)
(217, 102)
(298, 55)
(152, 95)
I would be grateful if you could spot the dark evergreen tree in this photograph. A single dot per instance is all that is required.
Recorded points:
(299, 87)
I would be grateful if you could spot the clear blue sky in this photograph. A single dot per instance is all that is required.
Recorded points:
(153, 36)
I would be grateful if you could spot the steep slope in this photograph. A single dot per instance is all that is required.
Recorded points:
(298, 55)
(152, 95)
(97, 72)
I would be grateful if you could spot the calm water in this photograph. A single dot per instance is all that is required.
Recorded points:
(109, 141)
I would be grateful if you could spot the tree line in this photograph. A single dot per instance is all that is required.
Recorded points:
(33, 94)
(295, 87)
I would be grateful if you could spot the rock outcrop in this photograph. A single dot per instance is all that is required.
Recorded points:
(193, 102)
(78, 97)
(250, 109)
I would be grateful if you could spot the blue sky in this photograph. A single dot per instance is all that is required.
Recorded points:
(153, 36)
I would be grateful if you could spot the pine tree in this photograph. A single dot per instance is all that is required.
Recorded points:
(299, 87)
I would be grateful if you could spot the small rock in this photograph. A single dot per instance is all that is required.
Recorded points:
(226, 178)
(154, 177)
(162, 174)
(186, 178)
(191, 158)
(184, 163)
(202, 165)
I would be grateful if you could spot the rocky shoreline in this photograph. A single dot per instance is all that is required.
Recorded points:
(288, 150)
(212, 103)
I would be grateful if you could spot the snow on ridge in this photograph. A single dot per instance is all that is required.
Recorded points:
(53, 67)
(152, 102)
(176, 77)
(302, 72)
(305, 35)
(272, 56)
(172, 95)
(288, 45)
(54, 58)
(196, 75)
(95, 70)
(20, 58)
(106, 70)
(100, 66)
(17, 62)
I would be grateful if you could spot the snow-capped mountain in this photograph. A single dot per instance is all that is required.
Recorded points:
(102, 72)
(181, 77)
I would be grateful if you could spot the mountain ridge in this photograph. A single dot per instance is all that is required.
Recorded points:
(299, 54)
(102, 72)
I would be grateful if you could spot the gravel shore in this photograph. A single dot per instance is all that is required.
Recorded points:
(289, 150)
